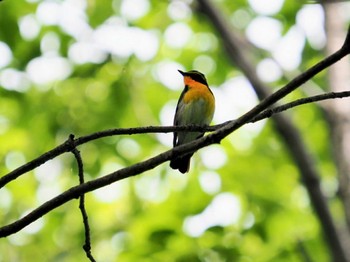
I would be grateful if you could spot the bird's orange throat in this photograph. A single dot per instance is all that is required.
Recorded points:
(188, 81)
(197, 90)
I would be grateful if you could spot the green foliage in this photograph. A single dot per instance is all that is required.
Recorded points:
(143, 218)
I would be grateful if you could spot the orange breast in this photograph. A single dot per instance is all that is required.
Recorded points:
(198, 91)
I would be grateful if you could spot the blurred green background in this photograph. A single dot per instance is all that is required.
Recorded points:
(82, 66)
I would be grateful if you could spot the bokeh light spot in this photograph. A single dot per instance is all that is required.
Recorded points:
(167, 74)
(311, 19)
(12, 79)
(129, 148)
(14, 159)
(177, 35)
(134, 9)
(6, 54)
(43, 70)
(213, 157)
(204, 64)
(178, 10)
(50, 42)
(224, 210)
(264, 32)
(49, 12)
(210, 182)
(29, 27)
(6, 199)
(288, 52)
(268, 70)
(266, 7)
(241, 18)
(86, 52)
(205, 41)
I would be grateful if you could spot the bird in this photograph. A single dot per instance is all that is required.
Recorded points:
(196, 106)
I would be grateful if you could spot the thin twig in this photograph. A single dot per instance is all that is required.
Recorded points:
(87, 245)
(302, 101)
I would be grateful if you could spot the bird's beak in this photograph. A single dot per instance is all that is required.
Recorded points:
(182, 73)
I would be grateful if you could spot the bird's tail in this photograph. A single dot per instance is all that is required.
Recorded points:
(181, 163)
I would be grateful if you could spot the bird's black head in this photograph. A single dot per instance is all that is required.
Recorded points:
(195, 75)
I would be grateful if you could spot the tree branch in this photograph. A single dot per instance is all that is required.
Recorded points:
(149, 164)
(138, 168)
(68, 145)
(87, 245)
(302, 101)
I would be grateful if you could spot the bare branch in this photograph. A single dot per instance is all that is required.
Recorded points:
(87, 245)
(215, 137)
(75, 192)
(302, 101)
(68, 145)
(149, 164)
